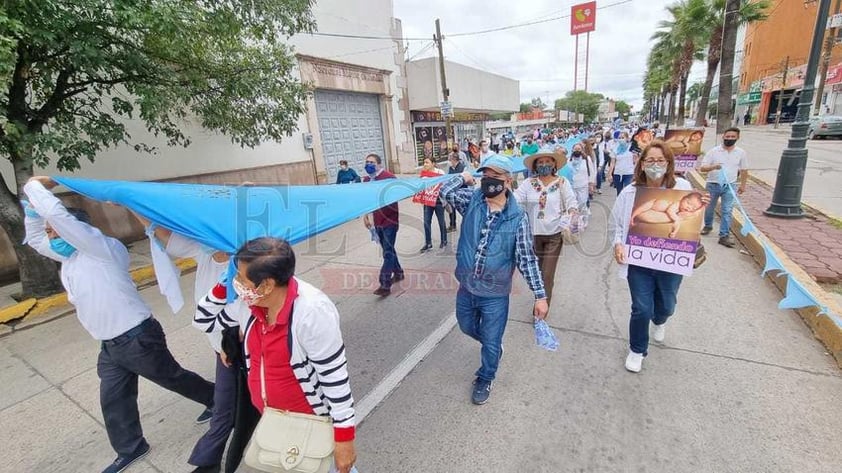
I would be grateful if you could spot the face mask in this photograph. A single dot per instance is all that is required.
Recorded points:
(61, 247)
(247, 295)
(729, 143)
(492, 187)
(622, 147)
(544, 169)
(370, 168)
(655, 171)
(577, 154)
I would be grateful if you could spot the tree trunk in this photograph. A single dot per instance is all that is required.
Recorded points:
(724, 112)
(714, 55)
(682, 98)
(38, 275)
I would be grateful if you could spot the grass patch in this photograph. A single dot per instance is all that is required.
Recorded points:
(835, 222)
(834, 288)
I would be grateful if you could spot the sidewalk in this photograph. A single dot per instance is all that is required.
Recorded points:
(813, 242)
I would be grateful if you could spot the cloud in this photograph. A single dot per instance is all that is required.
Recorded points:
(542, 56)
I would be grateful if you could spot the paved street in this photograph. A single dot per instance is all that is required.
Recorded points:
(824, 166)
(739, 386)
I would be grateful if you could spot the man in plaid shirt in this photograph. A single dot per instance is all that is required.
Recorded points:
(495, 238)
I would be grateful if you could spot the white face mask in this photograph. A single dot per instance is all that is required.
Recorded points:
(247, 295)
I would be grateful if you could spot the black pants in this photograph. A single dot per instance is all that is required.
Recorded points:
(120, 362)
(209, 449)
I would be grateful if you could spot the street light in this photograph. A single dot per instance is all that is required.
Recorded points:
(786, 199)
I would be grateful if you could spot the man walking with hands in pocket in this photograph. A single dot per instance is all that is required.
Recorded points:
(495, 238)
(724, 164)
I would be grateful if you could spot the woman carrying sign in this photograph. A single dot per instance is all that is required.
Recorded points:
(430, 170)
(653, 292)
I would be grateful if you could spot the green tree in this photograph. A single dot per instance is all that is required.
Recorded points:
(525, 107)
(623, 109)
(682, 38)
(748, 12)
(538, 103)
(579, 101)
(74, 71)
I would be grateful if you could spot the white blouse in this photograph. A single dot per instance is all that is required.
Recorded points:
(545, 205)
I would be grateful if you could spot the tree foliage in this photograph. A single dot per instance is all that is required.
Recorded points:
(622, 108)
(74, 71)
(538, 103)
(579, 101)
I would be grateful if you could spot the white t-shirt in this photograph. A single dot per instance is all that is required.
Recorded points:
(584, 173)
(624, 165)
(731, 161)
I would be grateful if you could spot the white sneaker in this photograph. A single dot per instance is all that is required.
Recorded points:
(659, 332)
(634, 362)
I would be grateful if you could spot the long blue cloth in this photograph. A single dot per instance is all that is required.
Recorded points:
(225, 217)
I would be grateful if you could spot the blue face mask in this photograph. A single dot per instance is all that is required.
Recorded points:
(622, 147)
(370, 168)
(61, 247)
(545, 169)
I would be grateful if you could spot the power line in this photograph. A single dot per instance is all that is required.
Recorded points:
(354, 53)
(467, 33)
(530, 23)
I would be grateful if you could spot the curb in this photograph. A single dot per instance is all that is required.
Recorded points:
(826, 329)
(30, 309)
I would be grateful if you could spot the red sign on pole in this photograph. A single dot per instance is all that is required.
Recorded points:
(583, 18)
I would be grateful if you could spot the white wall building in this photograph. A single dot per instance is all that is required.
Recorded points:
(474, 94)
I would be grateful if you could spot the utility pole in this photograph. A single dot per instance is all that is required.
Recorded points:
(789, 185)
(781, 94)
(828, 50)
(445, 92)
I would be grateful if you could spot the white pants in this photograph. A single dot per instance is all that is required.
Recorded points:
(581, 197)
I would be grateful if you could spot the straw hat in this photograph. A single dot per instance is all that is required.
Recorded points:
(549, 152)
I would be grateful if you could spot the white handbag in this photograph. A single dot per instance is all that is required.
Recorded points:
(286, 441)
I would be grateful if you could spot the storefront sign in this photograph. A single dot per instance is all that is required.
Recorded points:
(340, 71)
(457, 117)
(583, 18)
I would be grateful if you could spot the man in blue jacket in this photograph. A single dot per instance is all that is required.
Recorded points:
(496, 238)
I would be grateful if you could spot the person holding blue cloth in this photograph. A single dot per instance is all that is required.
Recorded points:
(495, 239)
(95, 274)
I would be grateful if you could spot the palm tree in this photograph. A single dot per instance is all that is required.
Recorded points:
(683, 37)
(693, 94)
(749, 12)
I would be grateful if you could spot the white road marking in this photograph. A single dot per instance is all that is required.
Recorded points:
(385, 387)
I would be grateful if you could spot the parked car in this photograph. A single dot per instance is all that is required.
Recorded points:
(828, 125)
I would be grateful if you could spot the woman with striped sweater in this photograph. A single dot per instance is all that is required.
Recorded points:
(294, 331)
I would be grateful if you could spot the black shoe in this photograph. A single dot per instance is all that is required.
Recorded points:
(205, 416)
(397, 277)
(207, 469)
(121, 463)
(706, 230)
(451, 229)
(443, 244)
(727, 241)
(382, 291)
(426, 248)
(481, 391)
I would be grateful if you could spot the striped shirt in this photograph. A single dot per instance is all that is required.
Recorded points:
(317, 357)
(527, 262)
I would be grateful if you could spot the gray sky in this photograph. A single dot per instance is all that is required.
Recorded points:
(534, 54)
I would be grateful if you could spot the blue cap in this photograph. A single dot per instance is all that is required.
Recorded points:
(498, 163)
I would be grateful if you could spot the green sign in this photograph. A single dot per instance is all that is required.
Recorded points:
(749, 98)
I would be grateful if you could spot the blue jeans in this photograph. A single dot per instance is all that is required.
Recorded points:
(483, 319)
(621, 181)
(600, 177)
(391, 265)
(653, 295)
(717, 191)
(209, 449)
(428, 223)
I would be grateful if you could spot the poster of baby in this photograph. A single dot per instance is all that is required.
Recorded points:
(664, 229)
(686, 145)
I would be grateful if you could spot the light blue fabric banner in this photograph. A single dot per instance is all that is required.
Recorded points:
(225, 217)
